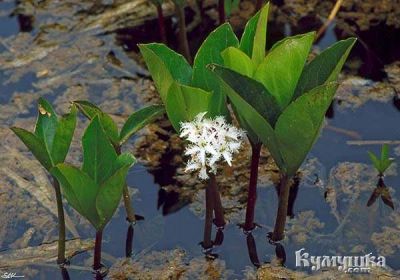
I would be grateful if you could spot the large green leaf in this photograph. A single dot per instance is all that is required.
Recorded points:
(238, 61)
(252, 92)
(110, 192)
(90, 111)
(210, 52)
(282, 67)
(46, 123)
(35, 145)
(138, 120)
(184, 103)
(165, 66)
(325, 67)
(298, 126)
(260, 36)
(255, 120)
(63, 136)
(79, 189)
(98, 153)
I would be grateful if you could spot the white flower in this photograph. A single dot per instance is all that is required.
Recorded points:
(210, 140)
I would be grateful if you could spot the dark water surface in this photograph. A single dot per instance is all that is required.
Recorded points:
(374, 120)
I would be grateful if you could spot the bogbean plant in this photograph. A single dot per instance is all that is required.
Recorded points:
(49, 143)
(279, 99)
(95, 189)
(188, 91)
(161, 21)
(381, 164)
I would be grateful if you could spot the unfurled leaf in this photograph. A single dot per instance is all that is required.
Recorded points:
(46, 123)
(110, 193)
(281, 69)
(247, 40)
(184, 103)
(210, 52)
(252, 91)
(260, 36)
(299, 125)
(238, 61)
(138, 120)
(325, 67)
(90, 111)
(383, 163)
(79, 189)
(98, 153)
(63, 136)
(36, 145)
(375, 161)
(165, 66)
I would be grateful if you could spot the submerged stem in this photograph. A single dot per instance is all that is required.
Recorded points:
(252, 192)
(218, 209)
(161, 24)
(97, 250)
(183, 41)
(280, 221)
(61, 223)
(207, 243)
(221, 11)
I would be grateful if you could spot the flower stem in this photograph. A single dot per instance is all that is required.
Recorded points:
(183, 41)
(61, 223)
(280, 221)
(130, 212)
(218, 209)
(207, 243)
(259, 4)
(252, 192)
(97, 250)
(221, 11)
(161, 24)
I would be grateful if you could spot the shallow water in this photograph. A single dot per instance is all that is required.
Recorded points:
(68, 62)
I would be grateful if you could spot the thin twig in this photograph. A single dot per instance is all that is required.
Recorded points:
(331, 17)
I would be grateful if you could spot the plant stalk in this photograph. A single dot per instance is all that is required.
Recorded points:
(207, 243)
(130, 212)
(284, 187)
(161, 24)
(218, 209)
(221, 11)
(259, 4)
(252, 191)
(183, 41)
(61, 223)
(97, 250)
(129, 242)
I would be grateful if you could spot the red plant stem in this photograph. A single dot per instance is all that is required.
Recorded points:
(61, 223)
(97, 250)
(218, 209)
(183, 41)
(207, 242)
(221, 11)
(252, 192)
(284, 187)
(161, 24)
(259, 4)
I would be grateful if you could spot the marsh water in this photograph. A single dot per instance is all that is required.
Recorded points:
(69, 50)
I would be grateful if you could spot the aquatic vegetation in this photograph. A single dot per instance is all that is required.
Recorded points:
(50, 144)
(95, 189)
(278, 97)
(381, 164)
(133, 124)
(161, 21)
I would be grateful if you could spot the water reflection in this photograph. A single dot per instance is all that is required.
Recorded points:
(382, 191)
(64, 273)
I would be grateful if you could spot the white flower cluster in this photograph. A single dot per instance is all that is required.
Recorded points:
(210, 140)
